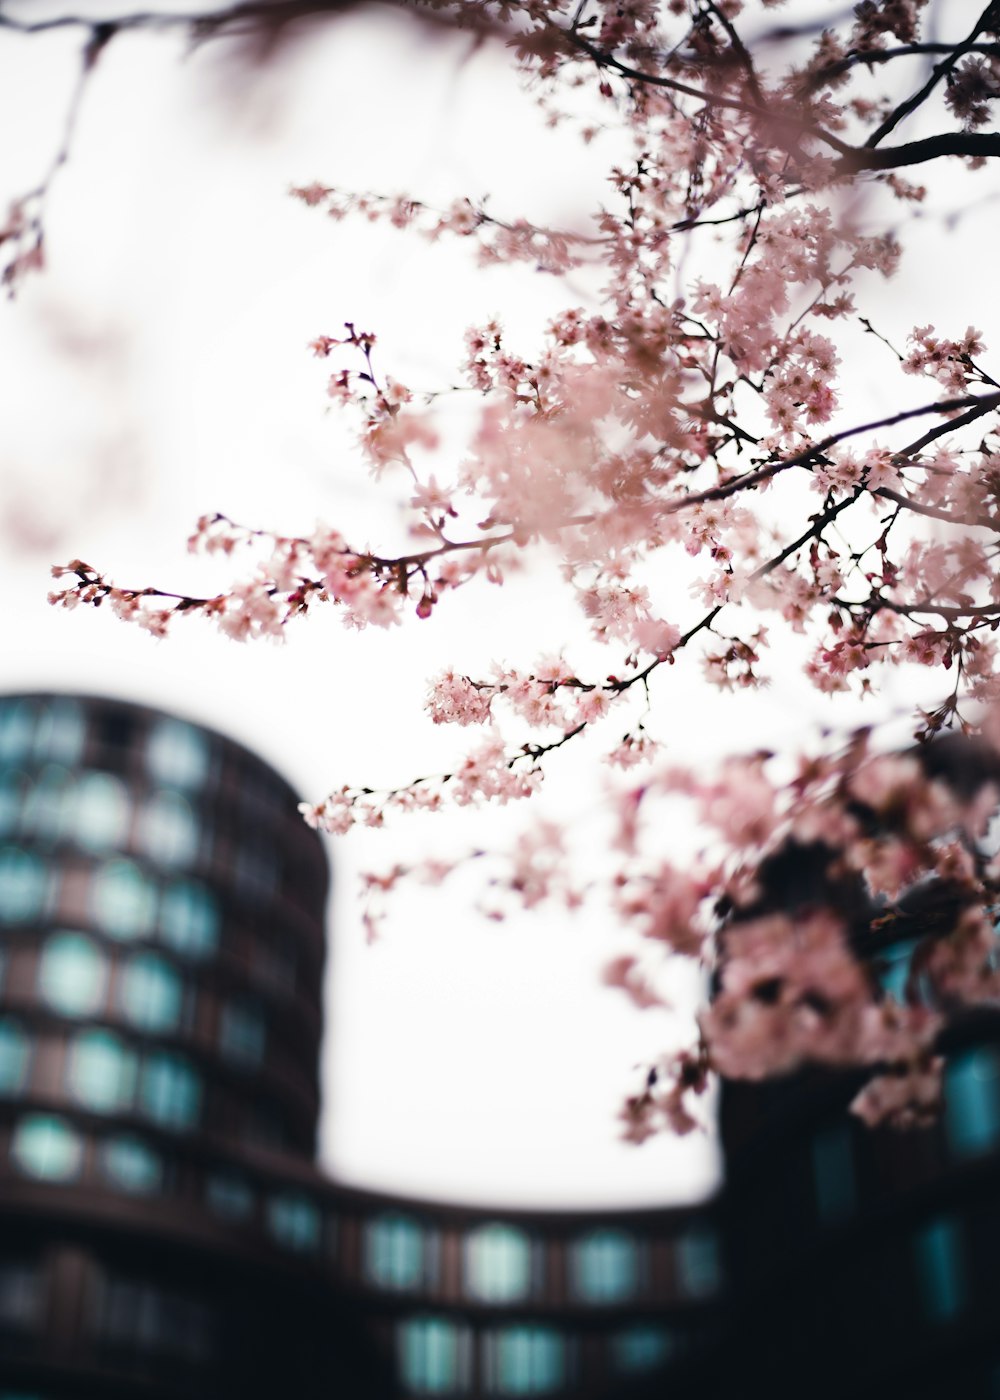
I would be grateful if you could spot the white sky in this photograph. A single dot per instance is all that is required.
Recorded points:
(158, 370)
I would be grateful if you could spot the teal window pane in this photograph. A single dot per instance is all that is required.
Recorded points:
(47, 1147)
(294, 1221)
(150, 993)
(170, 1091)
(21, 1300)
(15, 1055)
(131, 1165)
(699, 1270)
(168, 831)
(972, 1101)
(100, 812)
(255, 869)
(123, 900)
(60, 732)
(394, 1251)
(241, 1033)
(429, 1356)
(102, 1072)
(12, 789)
(17, 727)
(526, 1361)
(189, 919)
(605, 1267)
(833, 1174)
(73, 974)
(940, 1275)
(48, 801)
(644, 1347)
(497, 1264)
(229, 1196)
(23, 886)
(177, 754)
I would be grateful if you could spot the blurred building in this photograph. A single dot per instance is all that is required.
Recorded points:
(164, 1232)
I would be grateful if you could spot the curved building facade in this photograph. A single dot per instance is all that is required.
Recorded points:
(164, 1232)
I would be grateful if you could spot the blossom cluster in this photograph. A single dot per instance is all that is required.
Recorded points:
(680, 437)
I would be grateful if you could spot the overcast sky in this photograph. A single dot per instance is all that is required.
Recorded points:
(159, 370)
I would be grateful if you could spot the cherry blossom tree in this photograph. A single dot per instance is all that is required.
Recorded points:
(682, 440)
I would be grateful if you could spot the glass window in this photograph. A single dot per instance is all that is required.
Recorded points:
(644, 1347)
(20, 1305)
(168, 831)
(177, 754)
(23, 884)
(294, 1221)
(605, 1267)
(102, 1071)
(12, 786)
(255, 869)
(73, 974)
(15, 1055)
(699, 1271)
(60, 732)
(150, 993)
(229, 1196)
(939, 1270)
(972, 1101)
(525, 1361)
(241, 1033)
(123, 900)
(833, 1174)
(100, 811)
(394, 1251)
(17, 725)
(170, 1091)
(48, 803)
(189, 919)
(429, 1355)
(130, 1164)
(497, 1264)
(47, 1147)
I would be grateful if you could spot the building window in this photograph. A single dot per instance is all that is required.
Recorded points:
(102, 1072)
(123, 901)
(48, 804)
(241, 1033)
(394, 1251)
(150, 993)
(17, 725)
(429, 1356)
(644, 1347)
(972, 1101)
(170, 1091)
(525, 1361)
(168, 831)
(255, 869)
(177, 754)
(940, 1275)
(229, 1196)
(699, 1271)
(143, 1317)
(11, 798)
(100, 812)
(294, 1221)
(60, 732)
(23, 885)
(131, 1165)
(15, 1057)
(833, 1174)
(189, 919)
(605, 1267)
(47, 1147)
(20, 1305)
(73, 974)
(497, 1264)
